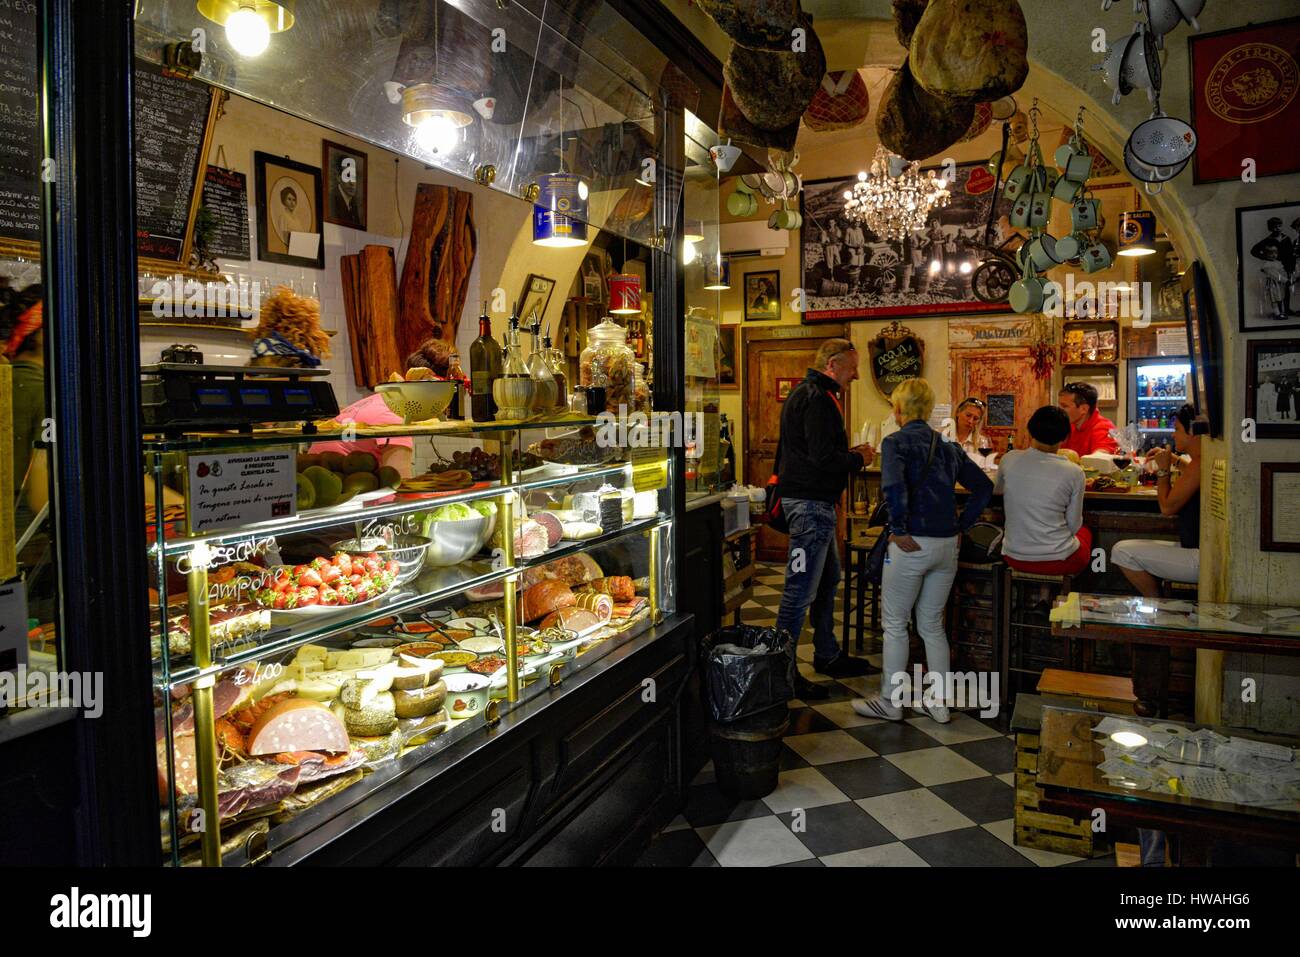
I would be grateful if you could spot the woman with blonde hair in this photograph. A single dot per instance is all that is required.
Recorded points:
(918, 474)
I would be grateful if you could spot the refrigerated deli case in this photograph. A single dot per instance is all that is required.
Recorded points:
(402, 657)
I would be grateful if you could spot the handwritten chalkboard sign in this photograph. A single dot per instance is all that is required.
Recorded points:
(1002, 412)
(20, 139)
(173, 119)
(225, 196)
(894, 360)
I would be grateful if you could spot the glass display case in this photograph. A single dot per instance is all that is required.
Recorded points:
(707, 275)
(302, 663)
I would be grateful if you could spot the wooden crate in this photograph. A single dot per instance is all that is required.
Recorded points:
(1038, 829)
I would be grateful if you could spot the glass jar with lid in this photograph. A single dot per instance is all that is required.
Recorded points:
(640, 391)
(609, 361)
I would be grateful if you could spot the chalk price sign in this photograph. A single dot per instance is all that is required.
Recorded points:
(893, 362)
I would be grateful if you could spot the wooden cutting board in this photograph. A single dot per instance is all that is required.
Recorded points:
(435, 275)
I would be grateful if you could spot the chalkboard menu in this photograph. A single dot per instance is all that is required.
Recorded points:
(225, 196)
(171, 120)
(1002, 411)
(20, 140)
(893, 361)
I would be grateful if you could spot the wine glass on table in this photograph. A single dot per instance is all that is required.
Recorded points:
(985, 449)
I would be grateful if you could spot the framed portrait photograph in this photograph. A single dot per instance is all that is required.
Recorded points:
(534, 299)
(1268, 282)
(1273, 387)
(1202, 321)
(1244, 102)
(851, 273)
(1279, 512)
(346, 184)
(763, 295)
(288, 212)
(784, 387)
(1163, 274)
(591, 277)
(727, 341)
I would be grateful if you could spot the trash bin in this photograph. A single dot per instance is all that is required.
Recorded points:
(750, 679)
(747, 753)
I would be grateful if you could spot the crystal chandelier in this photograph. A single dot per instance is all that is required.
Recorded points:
(895, 199)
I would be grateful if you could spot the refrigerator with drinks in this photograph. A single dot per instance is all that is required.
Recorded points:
(1157, 387)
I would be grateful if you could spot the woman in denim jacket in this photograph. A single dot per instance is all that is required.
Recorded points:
(924, 536)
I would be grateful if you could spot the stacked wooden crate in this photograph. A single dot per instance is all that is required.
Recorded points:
(1035, 828)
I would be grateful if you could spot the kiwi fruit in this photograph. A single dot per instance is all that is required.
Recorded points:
(332, 461)
(360, 462)
(307, 460)
(306, 492)
(389, 477)
(361, 482)
(328, 486)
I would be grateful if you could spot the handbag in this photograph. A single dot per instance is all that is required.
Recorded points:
(981, 544)
(773, 515)
(875, 571)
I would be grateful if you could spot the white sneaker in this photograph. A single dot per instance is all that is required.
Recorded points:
(938, 712)
(876, 707)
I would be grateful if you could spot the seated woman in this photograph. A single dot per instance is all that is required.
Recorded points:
(1144, 563)
(1043, 499)
(968, 417)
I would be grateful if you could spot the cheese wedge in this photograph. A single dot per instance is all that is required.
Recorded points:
(355, 659)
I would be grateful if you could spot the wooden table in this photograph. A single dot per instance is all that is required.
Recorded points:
(1153, 625)
(1073, 786)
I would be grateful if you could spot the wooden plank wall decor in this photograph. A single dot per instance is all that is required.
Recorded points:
(435, 276)
(370, 303)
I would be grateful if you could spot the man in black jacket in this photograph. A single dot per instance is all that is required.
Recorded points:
(814, 465)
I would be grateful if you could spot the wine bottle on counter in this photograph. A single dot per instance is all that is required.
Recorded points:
(484, 369)
(457, 377)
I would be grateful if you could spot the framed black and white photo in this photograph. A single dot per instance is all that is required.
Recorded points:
(1273, 387)
(1268, 283)
(346, 184)
(763, 295)
(1279, 513)
(534, 299)
(288, 212)
(1203, 344)
(851, 273)
(592, 276)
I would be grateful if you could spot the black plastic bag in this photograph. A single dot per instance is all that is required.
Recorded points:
(741, 685)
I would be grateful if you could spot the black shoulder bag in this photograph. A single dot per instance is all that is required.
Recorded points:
(880, 548)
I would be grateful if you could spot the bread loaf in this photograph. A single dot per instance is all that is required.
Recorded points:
(971, 50)
(543, 598)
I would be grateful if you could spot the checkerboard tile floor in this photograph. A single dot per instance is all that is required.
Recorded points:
(857, 792)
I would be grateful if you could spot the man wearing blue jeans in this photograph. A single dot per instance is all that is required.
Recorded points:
(814, 465)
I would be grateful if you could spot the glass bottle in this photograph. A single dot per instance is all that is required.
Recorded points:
(457, 376)
(609, 362)
(540, 370)
(484, 369)
(559, 372)
(514, 389)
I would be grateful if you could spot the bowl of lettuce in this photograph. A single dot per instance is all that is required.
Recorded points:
(456, 532)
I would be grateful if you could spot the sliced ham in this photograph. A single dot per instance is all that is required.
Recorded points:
(574, 619)
(629, 609)
(297, 724)
(253, 785)
(554, 531)
(600, 604)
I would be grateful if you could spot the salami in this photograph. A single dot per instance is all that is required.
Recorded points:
(297, 724)
(186, 767)
(618, 587)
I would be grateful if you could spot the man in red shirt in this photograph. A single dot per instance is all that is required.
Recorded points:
(1089, 429)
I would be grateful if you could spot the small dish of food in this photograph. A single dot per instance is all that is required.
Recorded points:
(467, 695)
(454, 660)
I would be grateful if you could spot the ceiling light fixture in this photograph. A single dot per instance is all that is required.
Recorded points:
(249, 23)
(894, 200)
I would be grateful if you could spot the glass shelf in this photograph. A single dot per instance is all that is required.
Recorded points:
(572, 548)
(231, 441)
(429, 587)
(378, 510)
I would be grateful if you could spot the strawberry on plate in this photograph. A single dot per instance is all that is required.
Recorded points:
(320, 564)
(328, 596)
(365, 589)
(372, 562)
(328, 573)
(343, 562)
(299, 571)
(309, 577)
(391, 567)
(347, 594)
(308, 596)
(266, 597)
(356, 578)
(286, 600)
(282, 581)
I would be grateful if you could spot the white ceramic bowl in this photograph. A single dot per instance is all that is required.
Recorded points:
(467, 694)
(417, 401)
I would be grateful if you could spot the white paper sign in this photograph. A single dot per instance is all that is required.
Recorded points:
(1171, 342)
(13, 626)
(241, 488)
(304, 245)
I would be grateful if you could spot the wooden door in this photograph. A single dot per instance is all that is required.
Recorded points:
(770, 355)
(1003, 380)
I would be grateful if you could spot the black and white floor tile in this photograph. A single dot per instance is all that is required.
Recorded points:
(857, 792)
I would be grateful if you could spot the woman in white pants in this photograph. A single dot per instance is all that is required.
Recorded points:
(918, 474)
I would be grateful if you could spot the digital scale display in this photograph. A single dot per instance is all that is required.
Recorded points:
(298, 396)
(213, 397)
(255, 396)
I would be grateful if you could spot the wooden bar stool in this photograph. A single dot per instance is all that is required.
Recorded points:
(1031, 646)
(856, 587)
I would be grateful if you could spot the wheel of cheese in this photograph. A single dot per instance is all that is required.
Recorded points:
(297, 724)
(420, 703)
(379, 717)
